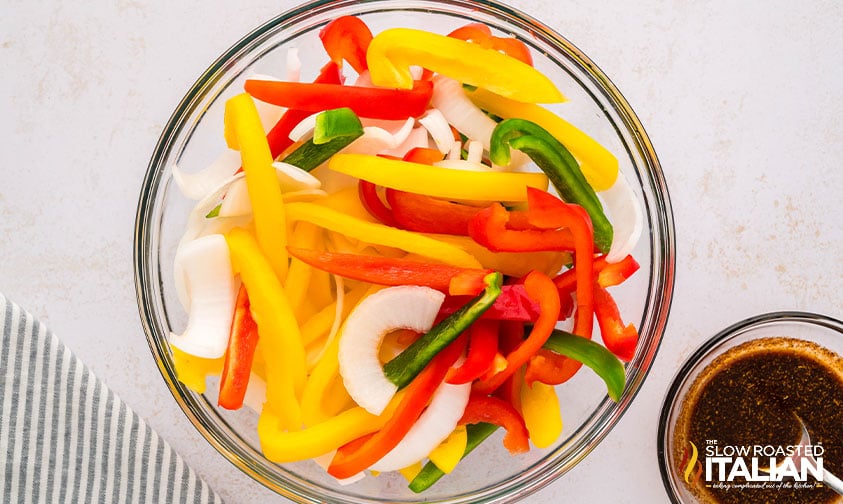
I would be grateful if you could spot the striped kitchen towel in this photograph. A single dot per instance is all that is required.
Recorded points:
(66, 438)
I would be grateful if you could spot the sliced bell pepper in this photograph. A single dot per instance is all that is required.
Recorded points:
(541, 289)
(193, 371)
(237, 365)
(335, 129)
(482, 347)
(387, 270)
(542, 415)
(350, 460)
(489, 227)
(476, 433)
(423, 155)
(447, 455)
(347, 38)
(512, 304)
(278, 137)
(374, 205)
(371, 102)
(246, 132)
(606, 274)
(483, 408)
(480, 33)
(425, 214)
(619, 339)
(436, 181)
(559, 165)
(278, 329)
(393, 51)
(514, 264)
(592, 354)
(380, 234)
(409, 363)
(547, 210)
(598, 164)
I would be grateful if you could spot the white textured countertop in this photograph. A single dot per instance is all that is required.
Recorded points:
(743, 102)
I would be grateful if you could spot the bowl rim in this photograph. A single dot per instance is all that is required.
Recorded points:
(662, 252)
(683, 374)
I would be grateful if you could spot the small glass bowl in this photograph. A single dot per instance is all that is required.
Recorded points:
(807, 327)
(193, 137)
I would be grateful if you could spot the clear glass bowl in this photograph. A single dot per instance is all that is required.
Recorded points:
(818, 329)
(193, 138)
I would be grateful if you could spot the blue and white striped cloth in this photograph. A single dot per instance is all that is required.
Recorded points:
(66, 438)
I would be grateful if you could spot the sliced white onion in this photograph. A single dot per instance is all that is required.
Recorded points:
(364, 79)
(416, 71)
(627, 218)
(255, 393)
(210, 283)
(236, 202)
(293, 65)
(439, 129)
(376, 140)
(304, 129)
(196, 185)
(463, 164)
(402, 307)
(475, 151)
(434, 425)
(293, 181)
(460, 111)
(418, 137)
(292, 178)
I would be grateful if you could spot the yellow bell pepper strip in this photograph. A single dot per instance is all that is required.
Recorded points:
(379, 234)
(392, 52)
(475, 434)
(408, 364)
(278, 330)
(245, 132)
(541, 412)
(299, 273)
(598, 165)
(281, 446)
(192, 370)
(559, 165)
(436, 181)
(447, 455)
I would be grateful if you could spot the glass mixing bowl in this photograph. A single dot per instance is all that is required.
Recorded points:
(193, 138)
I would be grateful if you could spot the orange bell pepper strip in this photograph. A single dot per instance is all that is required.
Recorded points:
(237, 365)
(479, 33)
(541, 289)
(277, 326)
(245, 132)
(392, 52)
(356, 456)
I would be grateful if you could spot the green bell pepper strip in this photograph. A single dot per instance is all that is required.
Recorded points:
(405, 366)
(558, 164)
(335, 129)
(430, 474)
(592, 354)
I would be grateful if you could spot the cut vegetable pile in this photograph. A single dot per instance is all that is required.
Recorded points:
(381, 261)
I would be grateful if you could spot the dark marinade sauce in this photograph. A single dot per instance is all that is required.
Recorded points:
(751, 399)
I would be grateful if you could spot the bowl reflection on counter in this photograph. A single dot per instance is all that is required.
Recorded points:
(193, 137)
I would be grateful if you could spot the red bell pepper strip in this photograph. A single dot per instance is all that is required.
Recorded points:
(372, 102)
(489, 228)
(547, 210)
(606, 274)
(373, 204)
(424, 214)
(386, 270)
(513, 304)
(482, 347)
(237, 365)
(483, 408)
(551, 368)
(354, 457)
(510, 337)
(347, 38)
(541, 289)
(279, 136)
(619, 339)
(482, 35)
